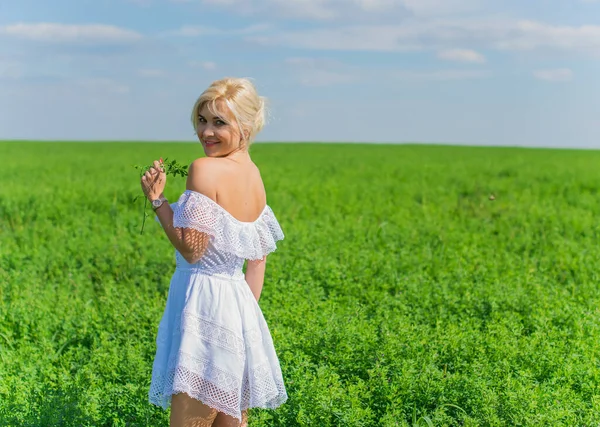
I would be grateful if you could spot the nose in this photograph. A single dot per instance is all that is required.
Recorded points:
(207, 130)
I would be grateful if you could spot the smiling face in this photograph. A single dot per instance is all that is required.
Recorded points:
(219, 133)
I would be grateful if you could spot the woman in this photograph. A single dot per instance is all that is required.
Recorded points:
(215, 357)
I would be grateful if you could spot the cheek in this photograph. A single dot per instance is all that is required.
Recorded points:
(223, 134)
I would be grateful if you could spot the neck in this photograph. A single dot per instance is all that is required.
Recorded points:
(238, 155)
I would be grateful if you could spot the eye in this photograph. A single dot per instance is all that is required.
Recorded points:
(220, 122)
(201, 119)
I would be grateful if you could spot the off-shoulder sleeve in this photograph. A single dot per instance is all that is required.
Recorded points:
(248, 240)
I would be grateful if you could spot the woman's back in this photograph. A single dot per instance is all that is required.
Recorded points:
(240, 189)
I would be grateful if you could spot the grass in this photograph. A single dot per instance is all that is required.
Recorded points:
(416, 285)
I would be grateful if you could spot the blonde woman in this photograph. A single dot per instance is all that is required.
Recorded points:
(215, 357)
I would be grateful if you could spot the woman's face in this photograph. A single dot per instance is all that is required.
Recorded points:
(219, 134)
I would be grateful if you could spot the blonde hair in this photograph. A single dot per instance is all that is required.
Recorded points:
(243, 101)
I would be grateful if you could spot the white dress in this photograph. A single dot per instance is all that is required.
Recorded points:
(213, 342)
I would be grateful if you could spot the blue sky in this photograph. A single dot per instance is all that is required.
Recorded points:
(486, 72)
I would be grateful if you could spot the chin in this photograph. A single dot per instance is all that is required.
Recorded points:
(209, 149)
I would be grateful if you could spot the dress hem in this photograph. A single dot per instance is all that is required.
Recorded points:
(165, 403)
(182, 379)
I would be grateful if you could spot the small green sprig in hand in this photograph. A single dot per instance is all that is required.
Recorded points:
(174, 168)
(171, 168)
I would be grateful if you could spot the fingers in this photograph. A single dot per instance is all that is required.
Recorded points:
(148, 179)
(158, 167)
(155, 169)
(153, 175)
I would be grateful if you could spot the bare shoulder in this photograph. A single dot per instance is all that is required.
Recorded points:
(202, 164)
(203, 176)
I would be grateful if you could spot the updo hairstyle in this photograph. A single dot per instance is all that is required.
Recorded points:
(243, 101)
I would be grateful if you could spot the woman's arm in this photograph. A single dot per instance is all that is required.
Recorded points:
(190, 243)
(255, 276)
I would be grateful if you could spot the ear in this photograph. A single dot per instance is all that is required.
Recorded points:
(246, 135)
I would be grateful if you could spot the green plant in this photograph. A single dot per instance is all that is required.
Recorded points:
(172, 168)
(399, 286)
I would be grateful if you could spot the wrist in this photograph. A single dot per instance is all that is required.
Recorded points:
(157, 202)
(155, 196)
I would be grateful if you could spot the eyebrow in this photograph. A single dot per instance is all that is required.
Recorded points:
(214, 118)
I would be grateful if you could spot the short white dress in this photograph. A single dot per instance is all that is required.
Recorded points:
(213, 342)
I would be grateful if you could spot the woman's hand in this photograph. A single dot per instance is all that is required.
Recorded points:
(154, 181)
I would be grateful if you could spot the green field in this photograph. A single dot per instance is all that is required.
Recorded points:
(403, 293)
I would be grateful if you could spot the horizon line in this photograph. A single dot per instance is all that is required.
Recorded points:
(413, 143)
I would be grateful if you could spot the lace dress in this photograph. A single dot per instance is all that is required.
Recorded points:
(213, 342)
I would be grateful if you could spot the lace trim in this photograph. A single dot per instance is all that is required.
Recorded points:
(217, 334)
(210, 331)
(221, 390)
(248, 240)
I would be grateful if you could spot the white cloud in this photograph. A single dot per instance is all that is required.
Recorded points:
(376, 5)
(194, 31)
(530, 35)
(316, 78)
(312, 63)
(556, 75)
(151, 72)
(65, 33)
(199, 30)
(440, 75)
(369, 38)
(327, 72)
(103, 85)
(324, 10)
(205, 65)
(311, 9)
(441, 34)
(429, 8)
(461, 55)
(10, 69)
(314, 72)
